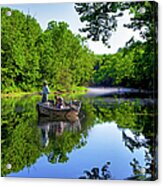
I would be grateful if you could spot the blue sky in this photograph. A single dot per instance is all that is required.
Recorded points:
(46, 12)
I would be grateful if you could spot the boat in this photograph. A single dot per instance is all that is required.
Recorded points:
(69, 111)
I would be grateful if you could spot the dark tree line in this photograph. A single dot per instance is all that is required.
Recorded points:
(131, 66)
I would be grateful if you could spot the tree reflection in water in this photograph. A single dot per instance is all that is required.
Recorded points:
(96, 173)
(134, 142)
(56, 128)
(23, 141)
(60, 137)
(140, 117)
(105, 174)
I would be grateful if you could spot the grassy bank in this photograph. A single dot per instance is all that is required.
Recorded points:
(73, 90)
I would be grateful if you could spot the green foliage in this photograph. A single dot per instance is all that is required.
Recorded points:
(20, 60)
(132, 66)
(63, 57)
(22, 132)
(20, 138)
(102, 18)
(30, 55)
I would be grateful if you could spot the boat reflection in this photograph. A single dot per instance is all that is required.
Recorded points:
(55, 127)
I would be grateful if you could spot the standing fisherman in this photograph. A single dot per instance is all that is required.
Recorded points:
(45, 92)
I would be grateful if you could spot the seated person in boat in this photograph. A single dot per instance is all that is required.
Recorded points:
(59, 102)
(45, 92)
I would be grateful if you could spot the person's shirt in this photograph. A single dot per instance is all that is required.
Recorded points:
(46, 90)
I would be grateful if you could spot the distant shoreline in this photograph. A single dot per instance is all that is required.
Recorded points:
(19, 94)
(91, 91)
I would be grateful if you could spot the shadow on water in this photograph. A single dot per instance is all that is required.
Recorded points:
(25, 137)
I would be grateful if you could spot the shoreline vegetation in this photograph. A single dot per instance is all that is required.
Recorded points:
(119, 88)
(64, 59)
(92, 91)
(76, 90)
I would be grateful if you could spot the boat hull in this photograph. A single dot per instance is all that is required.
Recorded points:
(47, 110)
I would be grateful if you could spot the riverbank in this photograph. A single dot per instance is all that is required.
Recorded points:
(73, 90)
(92, 92)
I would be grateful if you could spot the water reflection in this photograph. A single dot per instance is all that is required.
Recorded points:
(27, 138)
(135, 141)
(55, 128)
(97, 173)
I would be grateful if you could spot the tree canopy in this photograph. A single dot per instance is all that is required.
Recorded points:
(30, 55)
(135, 65)
(102, 18)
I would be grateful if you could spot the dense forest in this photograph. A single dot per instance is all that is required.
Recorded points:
(129, 67)
(30, 55)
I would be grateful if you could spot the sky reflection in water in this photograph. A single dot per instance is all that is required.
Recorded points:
(104, 143)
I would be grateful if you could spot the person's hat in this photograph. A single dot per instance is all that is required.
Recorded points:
(45, 82)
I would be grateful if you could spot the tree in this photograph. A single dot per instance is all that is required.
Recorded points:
(102, 18)
(19, 34)
(64, 57)
(30, 55)
(136, 66)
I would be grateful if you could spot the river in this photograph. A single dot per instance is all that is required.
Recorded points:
(114, 138)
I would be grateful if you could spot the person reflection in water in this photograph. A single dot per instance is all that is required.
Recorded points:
(45, 137)
(60, 128)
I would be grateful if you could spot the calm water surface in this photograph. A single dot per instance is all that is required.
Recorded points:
(119, 133)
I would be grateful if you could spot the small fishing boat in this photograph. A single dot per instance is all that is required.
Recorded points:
(68, 111)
